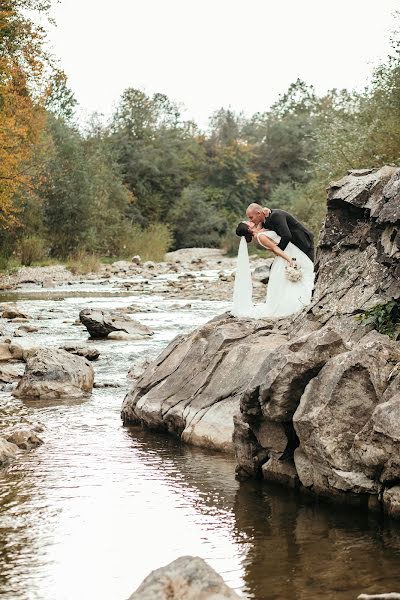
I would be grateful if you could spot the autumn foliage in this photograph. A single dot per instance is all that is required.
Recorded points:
(148, 175)
(22, 64)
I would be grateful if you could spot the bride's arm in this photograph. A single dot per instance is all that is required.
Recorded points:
(270, 245)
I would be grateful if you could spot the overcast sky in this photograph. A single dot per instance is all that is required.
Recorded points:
(212, 53)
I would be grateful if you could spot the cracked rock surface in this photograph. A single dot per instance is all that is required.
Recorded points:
(314, 399)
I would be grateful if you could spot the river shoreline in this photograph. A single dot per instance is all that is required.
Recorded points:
(200, 273)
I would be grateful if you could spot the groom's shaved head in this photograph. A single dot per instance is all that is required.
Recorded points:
(255, 213)
(254, 206)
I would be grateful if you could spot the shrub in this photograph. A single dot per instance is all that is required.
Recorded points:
(385, 318)
(82, 263)
(31, 249)
(151, 243)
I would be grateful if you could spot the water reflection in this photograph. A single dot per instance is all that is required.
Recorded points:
(91, 512)
(300, 549)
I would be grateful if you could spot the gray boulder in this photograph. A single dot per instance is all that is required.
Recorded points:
(391, 501)
(55, 374)
(186, 578)
(101, 323)
(262, 272)
(345, 429)
(272, 397)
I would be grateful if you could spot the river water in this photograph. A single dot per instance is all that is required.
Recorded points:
(92, 511)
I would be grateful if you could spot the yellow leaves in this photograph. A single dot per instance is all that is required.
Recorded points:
(20, 125)
(22, 64)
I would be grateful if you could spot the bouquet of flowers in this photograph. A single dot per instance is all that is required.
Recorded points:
(293, 273)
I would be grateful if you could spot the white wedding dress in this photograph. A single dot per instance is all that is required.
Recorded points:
(284, 297)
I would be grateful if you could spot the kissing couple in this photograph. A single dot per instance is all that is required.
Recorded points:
(291, 279)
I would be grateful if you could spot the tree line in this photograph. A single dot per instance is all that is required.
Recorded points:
(99, 187)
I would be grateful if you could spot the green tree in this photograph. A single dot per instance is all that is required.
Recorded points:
(159, 155)
(196, 220)
(66, 190)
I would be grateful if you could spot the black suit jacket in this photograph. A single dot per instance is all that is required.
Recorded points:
(290, 230)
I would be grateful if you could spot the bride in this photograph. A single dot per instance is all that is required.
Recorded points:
(284, 297)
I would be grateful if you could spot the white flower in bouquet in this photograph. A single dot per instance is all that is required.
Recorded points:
(293, 273)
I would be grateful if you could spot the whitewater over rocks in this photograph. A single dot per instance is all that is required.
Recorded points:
(312, 401)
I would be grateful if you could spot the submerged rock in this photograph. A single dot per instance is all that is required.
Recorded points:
(186, 578)
(101, 323)
(8, 451)
(55, 374)
(24, 437)
(85, 351)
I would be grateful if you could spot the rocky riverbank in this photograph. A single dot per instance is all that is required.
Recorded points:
(188, 273)
(315, 398)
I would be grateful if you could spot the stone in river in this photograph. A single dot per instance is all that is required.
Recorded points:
(24, 437)
(391, 501)
(28, 329)
(5, 353)
(101, 323)
(12, 312)
(262, 272)
(55, 374)
(8, 451)
(85, 351)
(186, 578)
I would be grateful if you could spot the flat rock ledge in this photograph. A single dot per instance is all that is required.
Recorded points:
(313, 401)
(186, 578)
(193, 388)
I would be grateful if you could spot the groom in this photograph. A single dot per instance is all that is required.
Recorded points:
(286, 226)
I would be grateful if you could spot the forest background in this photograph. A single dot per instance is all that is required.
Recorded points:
(148, 180)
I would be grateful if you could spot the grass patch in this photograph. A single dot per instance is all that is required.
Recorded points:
(83, 263)
(151, 243)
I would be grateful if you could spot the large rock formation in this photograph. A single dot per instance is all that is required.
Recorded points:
(316, 398)
(193, 388)
(186, 578)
